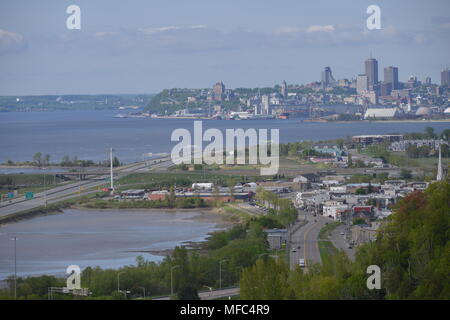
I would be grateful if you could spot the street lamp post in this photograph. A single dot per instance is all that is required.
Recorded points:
(15, 268)
(118, 280)
(45, 193)
(171, 279)
(220, 272)
(143, 290)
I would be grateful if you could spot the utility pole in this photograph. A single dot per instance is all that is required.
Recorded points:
(111, 163)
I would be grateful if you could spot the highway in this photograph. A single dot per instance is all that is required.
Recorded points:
(75, 189)
(304, 244)
(211, 295)
(340, 242)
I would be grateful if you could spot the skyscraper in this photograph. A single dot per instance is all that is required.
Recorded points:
(219, 90)
(391, 76)
(445, 78)
(284, 89)
(327, 78)
(371, 66)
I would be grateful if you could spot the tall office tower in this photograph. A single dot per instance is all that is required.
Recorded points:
(327, 78)
(362, 84)
(219, 90)
(445, 78)
(265, 105)
(428, 81)
(284, 89)
(372, 72)
(391, 76)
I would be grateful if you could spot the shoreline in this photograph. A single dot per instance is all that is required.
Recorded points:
(392, 121)
(209, 215)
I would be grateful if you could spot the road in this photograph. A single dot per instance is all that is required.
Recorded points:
(304, 240)
(211, 295)
(340, 242)
(76, 189)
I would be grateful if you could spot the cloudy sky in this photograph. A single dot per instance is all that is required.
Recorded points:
(143, 46)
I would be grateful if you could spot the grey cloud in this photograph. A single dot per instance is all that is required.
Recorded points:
(199, 38)
(11, 42)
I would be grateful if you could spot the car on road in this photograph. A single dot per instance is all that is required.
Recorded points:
(342, 233)
(301, 262)
(294, 250)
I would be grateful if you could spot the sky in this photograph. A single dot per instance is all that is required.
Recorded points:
(144, 46)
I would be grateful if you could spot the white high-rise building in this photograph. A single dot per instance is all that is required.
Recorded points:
(265, 105)
(362, 84)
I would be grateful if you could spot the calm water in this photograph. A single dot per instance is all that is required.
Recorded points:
(89, 134)
(106, 238)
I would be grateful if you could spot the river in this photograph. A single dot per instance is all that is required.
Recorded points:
(105, 238)
(89, 134)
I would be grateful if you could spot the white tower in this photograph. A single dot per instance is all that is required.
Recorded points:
(111, 172)
(439, 176)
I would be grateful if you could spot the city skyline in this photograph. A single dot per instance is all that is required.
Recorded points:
(150, 46)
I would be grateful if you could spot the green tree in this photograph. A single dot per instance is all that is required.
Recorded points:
(37, 158)
(116, 162)
(429, 131)
(405, 174)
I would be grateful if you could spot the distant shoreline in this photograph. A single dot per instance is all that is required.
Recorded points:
(392, 121)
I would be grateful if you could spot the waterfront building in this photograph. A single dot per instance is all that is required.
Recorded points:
(375, 138)
(381, 113)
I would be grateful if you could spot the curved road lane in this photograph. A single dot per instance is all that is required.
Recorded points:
(304, 244)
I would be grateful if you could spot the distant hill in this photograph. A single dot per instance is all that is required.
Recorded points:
(72, 102)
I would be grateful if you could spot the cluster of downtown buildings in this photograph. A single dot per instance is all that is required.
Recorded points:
(366, 96)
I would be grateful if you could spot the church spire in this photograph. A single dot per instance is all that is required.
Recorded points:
(439, 176)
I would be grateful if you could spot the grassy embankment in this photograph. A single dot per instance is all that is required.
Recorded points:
(326, 247)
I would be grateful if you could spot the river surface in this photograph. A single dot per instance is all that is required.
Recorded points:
(105, 238)
(89, 134)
